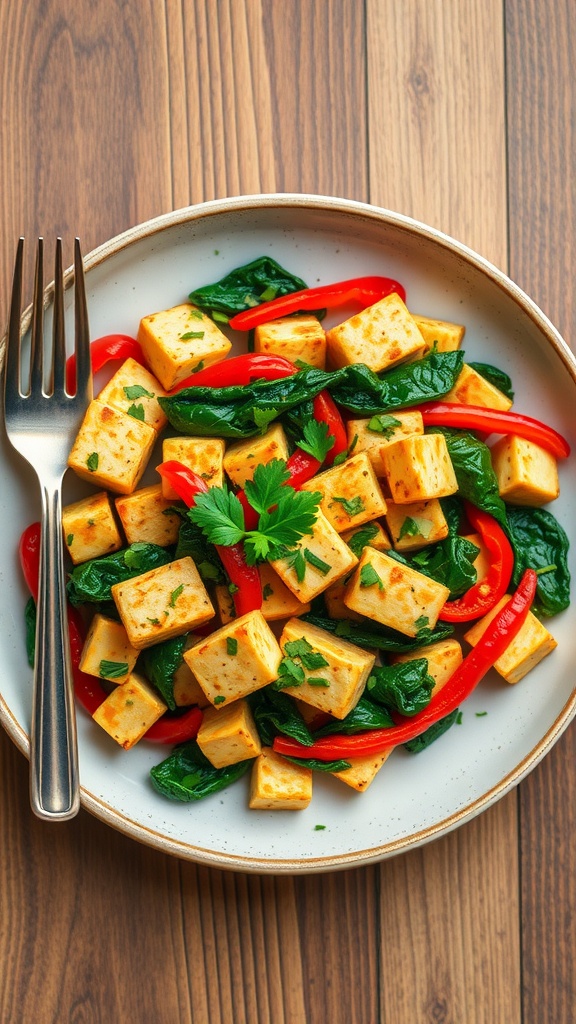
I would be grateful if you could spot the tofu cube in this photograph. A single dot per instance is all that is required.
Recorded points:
(380, 336)
(416, 525)
(530, 645)
(443, 658)
(187, 689)
(134, 390)
(129, 711)
(180, 340)
(278, 602)
(472, 388)
(163, 602)
(236, 660)
(483, 559)
(334, 599)
(294, 337)
(338, 684)
(363, 770)
(378, 539)
(144, 517)
(395, 426)
(107, 652)
(351, 494)
(203, 455)
(230, 735)
(111, 449)
(526, 473)
(446, 336)
(242, 457)
(394, 594)
(325, 545)
(419, 468)
(279, 785)
(90, 528)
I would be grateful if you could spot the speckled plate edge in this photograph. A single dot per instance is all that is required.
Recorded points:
(155, 839)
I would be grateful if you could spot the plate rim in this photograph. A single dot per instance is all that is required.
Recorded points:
(251, 864)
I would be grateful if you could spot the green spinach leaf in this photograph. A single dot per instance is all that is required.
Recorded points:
(186, 774)
(449, 562)
(473, 468)
(274, 712)
(319, 766)
(378, 637)
(366, 715)
(540, 543)
(496, 377)
(405, 687)
(91, 581)
(424, 740)
(364, 392)
(160, 662)
(246, 286)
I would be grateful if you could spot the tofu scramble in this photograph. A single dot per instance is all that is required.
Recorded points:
(292, 583)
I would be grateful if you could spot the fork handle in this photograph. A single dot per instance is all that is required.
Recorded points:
(54, 786)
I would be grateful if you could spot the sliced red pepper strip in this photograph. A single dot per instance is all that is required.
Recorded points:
(326, 411)
(175, 728)
(29, 554)
(245, 578)
(493, 421)
(494, 641)
(364, 291)
(238, 371)
(105, 350)
(88, 689)
(486, 593)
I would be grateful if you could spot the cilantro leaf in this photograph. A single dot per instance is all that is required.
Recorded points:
(369, 576)
(358, 541)
(293, 516)
(317, 440)
(136, 391)
(351, 506)
(220, 516)
(384, 424)
(265, 489)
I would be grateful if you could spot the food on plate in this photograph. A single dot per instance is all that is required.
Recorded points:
(290, 595)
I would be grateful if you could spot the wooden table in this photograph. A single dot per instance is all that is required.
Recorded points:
(459, 113)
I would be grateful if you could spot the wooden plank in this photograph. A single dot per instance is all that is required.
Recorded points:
(542, 146)
(437, 152)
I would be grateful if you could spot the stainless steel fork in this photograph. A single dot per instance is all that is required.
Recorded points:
(41, 423)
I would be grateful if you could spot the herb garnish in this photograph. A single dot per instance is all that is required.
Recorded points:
(384, 424)
(369, 576)
(92, 462)
(136, 391)
(317, 440)
(112, 669)
(351, 506)
(231, 645)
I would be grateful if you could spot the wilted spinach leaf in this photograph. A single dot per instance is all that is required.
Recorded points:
(319, 766)
(364, 392)
(473, 468)
(496, 377)
(380, 637)
(160, 662)
(91, 581)
(274, 712)
(449, 562)
(186, 774)
(432, 733)
(366, 715)
(192, 542)
(540, 543)
(405, 687)
(247, 286)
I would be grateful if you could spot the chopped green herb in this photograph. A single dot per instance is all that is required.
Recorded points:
(92, 462)
(346, 455)
(318, 563)
(302, 649)
(112, 669)
(137, 411)
(351, 506)
(69, 539)
(231, 645)
(369, 576)
(289, 674)
(196, 314)
(459, 718)
(154, 622)
(233, 588)
(219, 700)
(267, 592)
(318, 681)
(362, 537)
(91, 522)
(218, 317)
(175, 595)
(137, 391)
(318, 828)
(199, 366)
(129, 703)
(384, 424)
(421, 622)
(481, 714)
(191, 335)
(269, 293)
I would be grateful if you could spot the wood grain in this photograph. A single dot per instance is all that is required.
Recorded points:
(541, 94)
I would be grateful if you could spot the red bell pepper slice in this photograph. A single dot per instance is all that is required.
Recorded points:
(364, 291)
(176, 728)
(238, 371)
(493, 421)
(492, 644)
(29, 555)
(485, 593)
(105, 350)
(245, 578)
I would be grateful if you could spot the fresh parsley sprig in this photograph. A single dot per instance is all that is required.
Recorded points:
(317, 440)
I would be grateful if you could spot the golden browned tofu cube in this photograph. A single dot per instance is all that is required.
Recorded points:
(134, 390)
(129, 711)
(107, 652)
(526, 473)
(530, 645)
(334, 670)
(371, 533)
(144, 517)
(380, 336)
(334, 599)
(242, 457)
(187, 689)
(203, 455)
(317, 561)
(90, 529)
(279, 785)
(394, 594)
(363, 770)
(163, 602)
(443, 658)
(351, 494)
(419, 468)
(472, 388)
(446, 336)
(180, 340)
(416, 525)
(229, 735)
(278, 602)
(237, 659)
(293, 337)
(386, 428)
(111, 449)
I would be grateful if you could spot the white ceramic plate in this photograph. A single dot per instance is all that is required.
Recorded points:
(414, 798)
